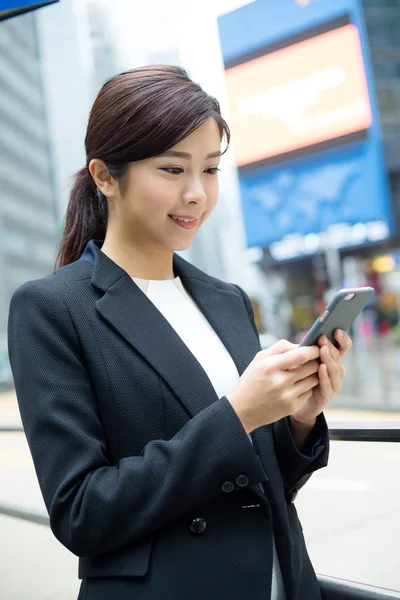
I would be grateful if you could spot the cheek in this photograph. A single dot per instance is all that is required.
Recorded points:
(152, 195)
(212, 195)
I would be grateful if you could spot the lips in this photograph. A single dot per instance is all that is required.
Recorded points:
(185, 217)
(187, 222)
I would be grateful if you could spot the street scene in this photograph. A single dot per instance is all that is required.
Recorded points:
(305, 201)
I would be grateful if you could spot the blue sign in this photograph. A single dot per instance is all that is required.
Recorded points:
(307, 189)
(12, 8)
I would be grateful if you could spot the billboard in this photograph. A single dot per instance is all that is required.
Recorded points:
(305, 126)
(12, 8)
(303, 94)
(307, 206)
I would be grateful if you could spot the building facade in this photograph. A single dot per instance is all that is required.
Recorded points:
(27, 206)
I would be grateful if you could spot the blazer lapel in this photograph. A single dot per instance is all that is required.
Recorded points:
(224, 310)
(128, 310)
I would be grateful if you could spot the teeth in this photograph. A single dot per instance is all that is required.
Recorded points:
(184, 220)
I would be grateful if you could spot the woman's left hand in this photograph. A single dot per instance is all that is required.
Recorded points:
(331, 373)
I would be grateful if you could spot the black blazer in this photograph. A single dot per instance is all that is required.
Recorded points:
(147, 475)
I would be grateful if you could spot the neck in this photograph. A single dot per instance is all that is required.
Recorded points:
(138, 262)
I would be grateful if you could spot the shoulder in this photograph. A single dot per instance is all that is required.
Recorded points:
(192, 272)
(42, 320)
(53, 287)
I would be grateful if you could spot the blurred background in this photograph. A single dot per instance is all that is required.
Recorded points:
(309, 200)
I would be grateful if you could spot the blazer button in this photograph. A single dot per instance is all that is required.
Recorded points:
(228, 486)
(198, 526)
(242, 480)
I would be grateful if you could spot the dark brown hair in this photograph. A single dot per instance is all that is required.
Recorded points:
(136, 115)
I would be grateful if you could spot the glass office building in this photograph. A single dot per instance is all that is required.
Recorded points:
(382, 18)
(27, 206)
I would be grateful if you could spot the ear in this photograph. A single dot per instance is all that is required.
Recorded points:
(102, 178)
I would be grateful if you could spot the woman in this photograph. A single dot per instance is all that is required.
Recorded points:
(168, 447)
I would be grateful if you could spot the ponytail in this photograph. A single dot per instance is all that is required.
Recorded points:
(85, 219)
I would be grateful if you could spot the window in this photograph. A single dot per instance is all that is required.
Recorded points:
(378, 33)
(389, 101)
(384, 69)
(394, 32)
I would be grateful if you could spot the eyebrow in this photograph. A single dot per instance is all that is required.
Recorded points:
(179, 154)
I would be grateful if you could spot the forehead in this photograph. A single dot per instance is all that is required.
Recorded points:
(206, 135)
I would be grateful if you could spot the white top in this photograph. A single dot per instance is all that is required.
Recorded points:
(173, 301)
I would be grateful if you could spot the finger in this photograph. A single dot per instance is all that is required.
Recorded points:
(307, 384)
(278, 348)
(322, 340)
(333, 367)
(325, 383)
(304, 397)
(334, 352)
(298, 356)
(344, 341)
(325, 341)
(299, 373)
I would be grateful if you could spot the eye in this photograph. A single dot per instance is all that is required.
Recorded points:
(212, 171)
(173, 170)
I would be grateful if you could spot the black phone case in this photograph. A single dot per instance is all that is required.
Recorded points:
(341, 314)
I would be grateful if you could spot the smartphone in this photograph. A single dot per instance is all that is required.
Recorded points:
(340, 313)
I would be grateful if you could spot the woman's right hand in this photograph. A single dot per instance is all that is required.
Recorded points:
(275, 384)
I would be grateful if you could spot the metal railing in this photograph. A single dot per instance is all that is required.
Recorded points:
(11, 429)
(378, 431)
(375, 431)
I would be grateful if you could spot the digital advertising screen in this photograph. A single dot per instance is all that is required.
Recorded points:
(306, 134)
(304, 94)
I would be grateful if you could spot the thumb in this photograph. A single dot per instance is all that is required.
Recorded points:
(279, 348)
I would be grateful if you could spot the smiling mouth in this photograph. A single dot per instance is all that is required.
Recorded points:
(186, 223)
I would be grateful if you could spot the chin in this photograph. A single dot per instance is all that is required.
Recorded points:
(182, 246)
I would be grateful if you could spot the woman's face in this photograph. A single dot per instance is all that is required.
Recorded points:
(181, 183)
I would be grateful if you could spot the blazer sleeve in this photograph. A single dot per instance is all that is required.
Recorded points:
(96, 506)
(296, 466)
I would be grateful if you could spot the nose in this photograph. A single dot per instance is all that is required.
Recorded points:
(194, 193)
